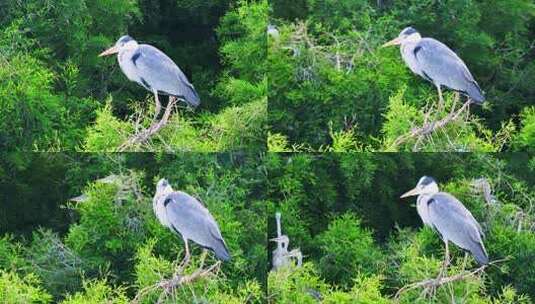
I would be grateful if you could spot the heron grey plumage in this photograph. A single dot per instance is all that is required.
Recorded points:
(450, 218)
(153, 70)
(281, 255)
(273, 32)
(435, 62)
(186, 216)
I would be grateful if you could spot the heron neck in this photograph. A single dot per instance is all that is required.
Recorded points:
(158, 196)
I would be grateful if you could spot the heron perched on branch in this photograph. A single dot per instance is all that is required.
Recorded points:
(435, 62)
(153, 70)
(186, 216)
(450, 218)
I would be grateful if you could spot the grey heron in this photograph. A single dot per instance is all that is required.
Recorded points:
(186, 216)
(153, 70)
(435, 62)
(450, 218)
(281, 255)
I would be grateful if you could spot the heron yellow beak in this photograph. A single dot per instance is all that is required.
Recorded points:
(412, 192)
(110, 51)
(394, 41)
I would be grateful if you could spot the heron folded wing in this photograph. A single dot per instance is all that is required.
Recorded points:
(193, 221)
(454, 221)
(442, 65)
(162, 74)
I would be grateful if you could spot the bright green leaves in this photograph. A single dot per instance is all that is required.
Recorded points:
(347, 249)
(17, 289)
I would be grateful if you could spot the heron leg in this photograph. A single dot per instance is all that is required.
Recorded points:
(185, 261)
(443, 270)
(444, 267)
(440, 99)
(203, 257)
(457, 97)
(158, 105)
(469, 101)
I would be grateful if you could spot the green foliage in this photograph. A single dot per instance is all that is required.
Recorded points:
(109, 229)
(353, 258)
(107, 133)
(34, 111)
(302, 285)
(58, 267)
(277, 143)
(459, 135)
(360, 243)
(113, 245)
(96, 292)
(21, 290)
(347, 249)
(525, 139)
(242, 88)
(56, 93)
(10, 254)
(150, 269)
(328, 73)
(296, 285)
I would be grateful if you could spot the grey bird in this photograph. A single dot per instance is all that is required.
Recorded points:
(186, 216)
(153, 70)
(435, 62)
(281, 255)
(450, 218)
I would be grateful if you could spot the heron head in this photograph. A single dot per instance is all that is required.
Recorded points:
(163, 187)
(283, 239)
(426, 185)
(125, 42)
(407, 34)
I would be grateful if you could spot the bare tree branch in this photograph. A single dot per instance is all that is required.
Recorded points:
(168, 286)
(434, 283)
(430, 127)
(144, 135)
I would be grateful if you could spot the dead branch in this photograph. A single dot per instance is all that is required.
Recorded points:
(434, 283)
(430, 127)
(483, 186)
(168, 286)
(144, 135)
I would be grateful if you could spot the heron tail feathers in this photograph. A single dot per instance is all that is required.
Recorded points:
(221, 251)
(192, 97)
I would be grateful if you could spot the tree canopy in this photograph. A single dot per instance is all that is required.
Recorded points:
(359, 241)
(56, 94)
(332, 87)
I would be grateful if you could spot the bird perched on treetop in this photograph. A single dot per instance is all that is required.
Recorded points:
(450, 218)
(153, 70)
(185, 215)
(435, 62)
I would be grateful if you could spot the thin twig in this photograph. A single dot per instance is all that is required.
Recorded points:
(178, 280)
(434, 283)
(431, 127)
(144, 135)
